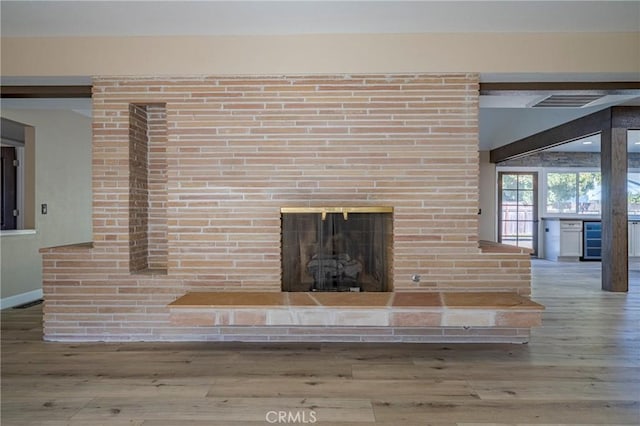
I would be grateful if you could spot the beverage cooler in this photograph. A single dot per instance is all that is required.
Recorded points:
(592, 240)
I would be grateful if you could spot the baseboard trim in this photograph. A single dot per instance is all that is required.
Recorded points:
(20, 299)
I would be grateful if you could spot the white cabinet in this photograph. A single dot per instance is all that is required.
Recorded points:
(562, 239)
(570, 238)
(634, 239)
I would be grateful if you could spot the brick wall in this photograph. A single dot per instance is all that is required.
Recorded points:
(236, 149)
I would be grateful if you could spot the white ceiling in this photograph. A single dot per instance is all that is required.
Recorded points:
(111, 18)
(503, 119)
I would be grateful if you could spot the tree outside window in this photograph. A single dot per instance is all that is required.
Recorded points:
(589, 189)
(561, 192)
(573, 193)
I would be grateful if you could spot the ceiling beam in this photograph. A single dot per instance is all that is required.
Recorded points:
(612, 88)
(576, 129)
(37, 92)
(625, 117)
(596, 87)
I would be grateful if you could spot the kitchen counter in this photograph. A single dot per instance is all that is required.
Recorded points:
(586, 218)
(573, 238)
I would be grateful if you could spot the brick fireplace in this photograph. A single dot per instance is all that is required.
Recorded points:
(190, 175)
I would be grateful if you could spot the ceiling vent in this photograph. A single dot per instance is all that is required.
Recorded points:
(566, 101)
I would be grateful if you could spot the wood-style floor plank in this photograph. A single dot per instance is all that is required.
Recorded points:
(346, 388)
(523, 411)
(228, 409)
(485, 371)
(539, 390)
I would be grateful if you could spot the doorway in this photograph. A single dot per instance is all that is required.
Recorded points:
(518, 209)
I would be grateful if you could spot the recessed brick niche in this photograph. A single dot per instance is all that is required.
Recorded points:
(190, 175)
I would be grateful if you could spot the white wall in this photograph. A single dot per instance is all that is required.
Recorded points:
(488, 204)
(63, 182)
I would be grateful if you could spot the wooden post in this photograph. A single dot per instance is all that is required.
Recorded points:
(615, 245)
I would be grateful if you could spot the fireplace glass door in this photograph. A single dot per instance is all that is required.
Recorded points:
(336, 252)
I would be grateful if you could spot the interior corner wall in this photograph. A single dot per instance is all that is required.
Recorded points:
(488, 204)
(63, 182)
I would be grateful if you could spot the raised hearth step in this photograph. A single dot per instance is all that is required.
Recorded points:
(436, 309)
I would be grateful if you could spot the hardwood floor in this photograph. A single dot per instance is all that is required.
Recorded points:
(581, 367)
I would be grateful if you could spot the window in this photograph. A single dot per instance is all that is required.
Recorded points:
(633, 191)
(573, 193)
(589, 188)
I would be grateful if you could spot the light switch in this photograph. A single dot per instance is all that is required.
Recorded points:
(43, 208)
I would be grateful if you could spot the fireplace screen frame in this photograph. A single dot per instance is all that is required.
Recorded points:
(322, 252)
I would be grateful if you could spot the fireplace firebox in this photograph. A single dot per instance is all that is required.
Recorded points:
(336, 249)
